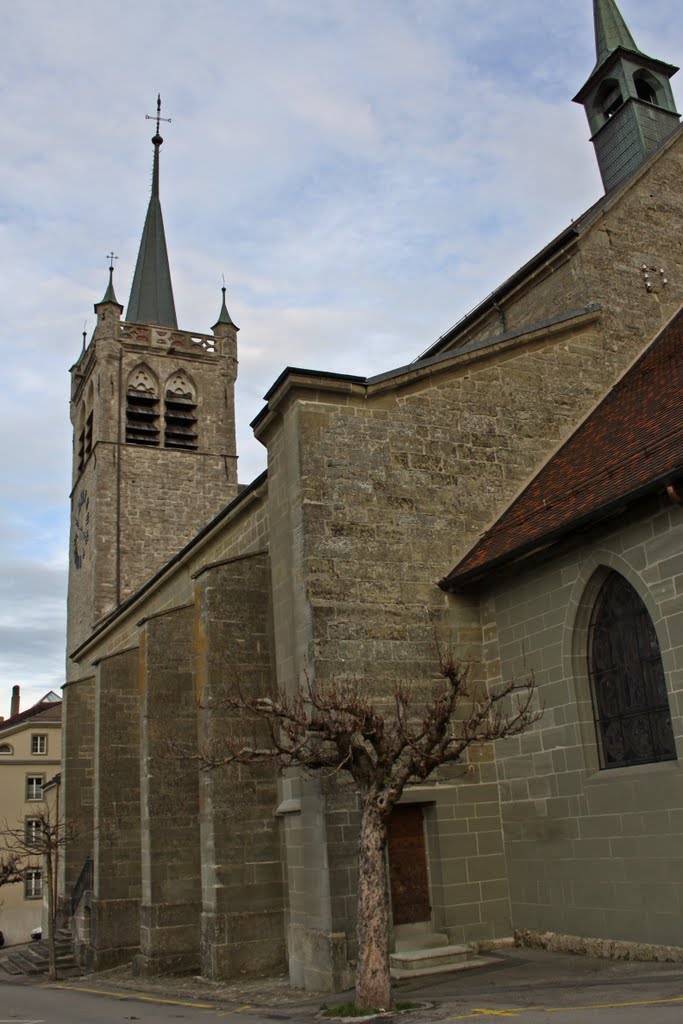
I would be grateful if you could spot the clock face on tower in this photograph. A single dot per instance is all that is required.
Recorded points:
(81, 528)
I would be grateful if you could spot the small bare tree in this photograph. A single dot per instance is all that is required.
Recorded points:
(335, 728)
(39, 840)
(11, 870)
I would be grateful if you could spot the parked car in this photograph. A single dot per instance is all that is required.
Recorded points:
(36, 934)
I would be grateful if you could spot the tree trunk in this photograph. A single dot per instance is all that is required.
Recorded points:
(51, 938)
(373, 982)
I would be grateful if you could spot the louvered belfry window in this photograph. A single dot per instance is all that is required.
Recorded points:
(142, 409)
(180, 413)
(632, 715)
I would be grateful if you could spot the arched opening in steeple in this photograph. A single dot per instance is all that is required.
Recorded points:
(646, 87)
(80, 436)
(180, 412)
(142, 408)
(608, 99)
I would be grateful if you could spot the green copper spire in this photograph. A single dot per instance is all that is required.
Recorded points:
(151, 297)
(611, 30)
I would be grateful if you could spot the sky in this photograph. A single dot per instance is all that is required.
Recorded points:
(363, 172)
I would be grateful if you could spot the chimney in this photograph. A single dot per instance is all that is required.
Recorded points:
(14, 708)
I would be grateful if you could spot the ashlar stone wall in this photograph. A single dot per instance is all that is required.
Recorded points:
(385, 486)
(590, 852)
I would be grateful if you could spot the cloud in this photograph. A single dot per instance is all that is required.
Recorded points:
(363, 174)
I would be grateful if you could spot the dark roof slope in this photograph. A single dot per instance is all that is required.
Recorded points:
(629, 445)
(43, 711)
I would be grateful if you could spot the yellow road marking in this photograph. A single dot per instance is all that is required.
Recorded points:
(515, 1011)
(614, 1006)
(137, 995)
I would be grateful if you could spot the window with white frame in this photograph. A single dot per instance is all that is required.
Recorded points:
(32, 831)
(33, 884)
(34, 787)
(39, 743)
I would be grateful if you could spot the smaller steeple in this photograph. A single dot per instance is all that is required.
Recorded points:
(224, 317)
(110, 295)
(108, 309)
(628, 99)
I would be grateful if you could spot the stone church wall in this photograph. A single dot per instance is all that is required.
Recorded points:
(383, 492)
(171, 859)
(118, 880)
(242, 924)
(590, 852)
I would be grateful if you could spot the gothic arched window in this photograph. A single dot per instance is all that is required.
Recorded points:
(80, 433)
(180, 412)
(632, 716)
(142, 408)
(88, 420)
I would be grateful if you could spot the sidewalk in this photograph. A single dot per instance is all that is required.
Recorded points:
(520, 979)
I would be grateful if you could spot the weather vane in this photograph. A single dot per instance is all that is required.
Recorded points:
(157, 117)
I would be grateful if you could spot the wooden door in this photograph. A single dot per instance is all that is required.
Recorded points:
(408, 877)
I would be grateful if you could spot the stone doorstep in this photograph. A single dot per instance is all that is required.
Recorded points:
(416, 958)
(399, 974)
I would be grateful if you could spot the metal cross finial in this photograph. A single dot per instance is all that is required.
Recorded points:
(111, 257)
(157, 117)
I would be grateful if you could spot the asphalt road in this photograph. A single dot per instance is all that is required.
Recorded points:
(43, 1004)
(528, 986)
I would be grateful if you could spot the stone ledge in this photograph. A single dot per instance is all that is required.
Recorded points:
(603, 949)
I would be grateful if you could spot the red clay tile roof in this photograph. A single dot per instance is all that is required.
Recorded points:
(44, 711)
(630, 444)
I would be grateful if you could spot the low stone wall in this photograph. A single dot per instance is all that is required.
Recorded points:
(603, 949)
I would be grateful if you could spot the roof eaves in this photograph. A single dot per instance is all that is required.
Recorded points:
(461, 582)
(481, 346)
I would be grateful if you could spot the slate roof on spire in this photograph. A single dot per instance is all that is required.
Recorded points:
(110, 294)
(151, 297)
(611, 31)
(224, 317)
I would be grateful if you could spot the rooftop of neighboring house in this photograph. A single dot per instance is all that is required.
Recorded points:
(47, 710)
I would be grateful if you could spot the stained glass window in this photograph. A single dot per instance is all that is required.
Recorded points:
(631, 706)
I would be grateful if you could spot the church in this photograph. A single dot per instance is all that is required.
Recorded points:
(517, 489)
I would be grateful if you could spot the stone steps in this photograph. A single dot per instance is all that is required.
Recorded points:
(34, 959)
(417, 963)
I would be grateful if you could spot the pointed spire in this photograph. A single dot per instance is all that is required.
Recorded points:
(611, 31)
(110, 295)
(224, 317)
(151, 297)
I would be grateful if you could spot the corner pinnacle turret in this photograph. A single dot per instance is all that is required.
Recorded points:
(151, 296)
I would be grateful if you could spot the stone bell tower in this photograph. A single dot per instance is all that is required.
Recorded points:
(628, 98)
(153, 413)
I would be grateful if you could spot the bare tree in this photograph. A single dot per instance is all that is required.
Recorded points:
(39, 841)
(11, 870)
(384, 746)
